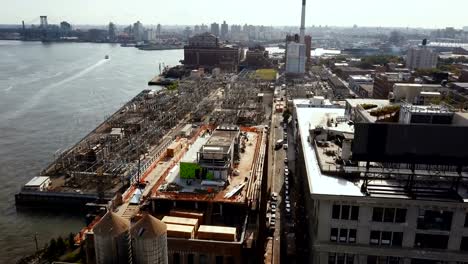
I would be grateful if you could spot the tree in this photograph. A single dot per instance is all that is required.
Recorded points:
(61, 247)
(71, 241)
(51, 251)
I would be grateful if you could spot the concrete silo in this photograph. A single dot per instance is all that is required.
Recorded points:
(149, 241)
(111, 239)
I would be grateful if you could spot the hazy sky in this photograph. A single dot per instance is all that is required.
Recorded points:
(412, 13)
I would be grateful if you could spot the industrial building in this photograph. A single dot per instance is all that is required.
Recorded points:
(207, 195)
(386, 183)
(296, 57)
(205, 50)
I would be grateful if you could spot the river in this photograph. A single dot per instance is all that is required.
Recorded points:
(51, 95)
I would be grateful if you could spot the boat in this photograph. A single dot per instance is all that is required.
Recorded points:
(106, 57)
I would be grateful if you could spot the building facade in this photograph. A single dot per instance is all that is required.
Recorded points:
(421, 58)
(204, 50)
(383, 83)
(399, 213)
(295, 58)
(215, 29)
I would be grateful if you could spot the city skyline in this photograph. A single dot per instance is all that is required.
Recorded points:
(399, 14)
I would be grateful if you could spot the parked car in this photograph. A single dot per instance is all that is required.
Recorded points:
(286, 160)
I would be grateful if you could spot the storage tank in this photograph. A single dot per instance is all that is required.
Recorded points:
(149, 241)
(111, 239)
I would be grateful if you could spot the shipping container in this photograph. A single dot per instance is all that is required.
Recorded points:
(220, 233)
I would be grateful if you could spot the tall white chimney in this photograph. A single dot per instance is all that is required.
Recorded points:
(302, 32)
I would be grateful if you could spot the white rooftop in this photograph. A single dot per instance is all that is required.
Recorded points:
(191, 154)
(37, 181)
(318, 183)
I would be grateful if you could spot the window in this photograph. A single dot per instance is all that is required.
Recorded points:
(203, 259)
(375, 238)
(336, 211)
(219, 259)
(343, 235)
(397, 239)
(334, 234)
(340, 258)
(400, 216)
(383, 260)
(230, 260)
(385, 238)
(431, 241)
(355, 213)
(377, 214)
(389, 215)
(352, 236)
(345, 212)
(464, 244)
(190, 259)
(437, 220)
(176, 258)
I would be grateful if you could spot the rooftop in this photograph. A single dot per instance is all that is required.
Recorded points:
(37, 181)
(172, 187)
(318, 182)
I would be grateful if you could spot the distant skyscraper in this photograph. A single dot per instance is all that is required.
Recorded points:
(158, 30)
(65, 26)
(421, 58)
(112, 31)
(138, 31)
(236, 29)
(203, 28)
(224, 30)
(215, 29)
(196, 29)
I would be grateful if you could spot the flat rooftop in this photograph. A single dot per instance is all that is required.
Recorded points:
(318, 182)
(223, 137)
(37, 181)
(173, 187)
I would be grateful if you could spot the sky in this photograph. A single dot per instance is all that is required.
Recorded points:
(388, 13)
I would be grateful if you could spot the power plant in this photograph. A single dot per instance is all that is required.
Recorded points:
(296, 52)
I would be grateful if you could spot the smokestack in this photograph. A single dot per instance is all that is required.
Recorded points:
(302, 31)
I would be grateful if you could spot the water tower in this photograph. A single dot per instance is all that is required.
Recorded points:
(111, 239)
(149, 241)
